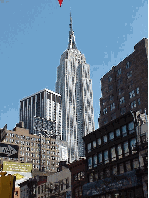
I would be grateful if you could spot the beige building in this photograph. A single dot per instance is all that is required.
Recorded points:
(40, 152)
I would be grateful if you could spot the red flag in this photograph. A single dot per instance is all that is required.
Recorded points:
(60, 2)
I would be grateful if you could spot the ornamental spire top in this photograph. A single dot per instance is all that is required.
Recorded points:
(71, 44)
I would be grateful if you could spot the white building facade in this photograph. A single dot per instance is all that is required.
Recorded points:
(75, 86)
(43, 104)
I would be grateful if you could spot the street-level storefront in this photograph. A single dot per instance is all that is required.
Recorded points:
(127, 185)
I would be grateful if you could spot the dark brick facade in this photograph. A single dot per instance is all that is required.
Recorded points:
(125, 86)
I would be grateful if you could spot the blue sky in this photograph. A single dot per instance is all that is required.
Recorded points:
(34, 34)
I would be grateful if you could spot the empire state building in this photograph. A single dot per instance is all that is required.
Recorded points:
(75, 86)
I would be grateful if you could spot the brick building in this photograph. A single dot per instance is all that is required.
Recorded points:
(40, 152)
(125, 86)
(77, 169)
(112, 164)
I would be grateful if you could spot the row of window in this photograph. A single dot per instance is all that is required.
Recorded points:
(115, 170)
(123, 131)
(112, 154)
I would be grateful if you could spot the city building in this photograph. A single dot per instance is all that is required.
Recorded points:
(75, 86)
(141, 121)
(77, 169)
(28, 188)
(44, 106)
(112, 163)
(125, 86)
(41, 151)
(59, 184)
(41, 189)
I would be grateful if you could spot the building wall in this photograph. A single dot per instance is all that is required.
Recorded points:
(29, 146)
(125, 86)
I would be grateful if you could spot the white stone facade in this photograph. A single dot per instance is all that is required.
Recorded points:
(75, 86)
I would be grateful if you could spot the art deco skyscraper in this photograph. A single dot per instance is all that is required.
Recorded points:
(75, 86)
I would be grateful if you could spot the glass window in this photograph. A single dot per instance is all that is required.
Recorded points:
(112, 106)
(121, 167)
(78, 176)
(107, 172)
(122, 100)
(128, 166)
(114, 170)
(118, 133)
(89, 147)
(113, 116)
(106, 158)
(133, 104)
(113, 154)
(126, 149)
(127, 65)
(124, 131)
(111, 136)
(110, 87)
(96, 176)
(123, 110)
(118, 71)
(137, 90)
(120, 91)
(105, 138)
(129, 74)
(105, 111)
(94, 144)
(91, 177)
(131, 127)
(132, 144)
(110, 78)
(100, 157)
(135, 163)
(111, 97)
(139, 101)
(119, 151)
(119, 82)
(95, 161)
(90, 163)
(132, 94)
(99, 141)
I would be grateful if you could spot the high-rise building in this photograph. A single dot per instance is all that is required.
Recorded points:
(75, 86)
(125, 86)
(43, 104)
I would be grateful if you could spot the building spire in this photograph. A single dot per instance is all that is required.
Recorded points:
(71, 44)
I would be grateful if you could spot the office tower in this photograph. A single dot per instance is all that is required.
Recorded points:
(125, 86)
(43, 105)
(75, 86)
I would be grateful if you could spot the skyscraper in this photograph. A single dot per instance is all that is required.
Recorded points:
(75, 86)
(44, 104)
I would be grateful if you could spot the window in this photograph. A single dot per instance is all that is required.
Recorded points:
(89, 147)
(95, 161)
(129, 74)
(139, 101)
(124, 131)
(103, 102)
(132, 145)
(78, 176)
(91, 177)
(123, 110)
(111, 136)
(113, 116)
(111, 97)
(127, 65)
(110, 78)
(118, 133)
(126, 149)
(118, 71)
(99, 141)
(120, 91)
(105, 111)
(122, 100)
(119, 82)
(133, 104)
(121, 167)
(128, 166)
(90, 163)
(113, 154)
(132, 94)
(107, 172)
(94, 144)
(112, 106)
(137, 90)
(131, 127)
(114, 170)
(100, 157)
(119, 151)
(96, 176)
(105, 138)
(130, 84)
(38, 189)
(106, 158)
(135, 163)
(105, 120)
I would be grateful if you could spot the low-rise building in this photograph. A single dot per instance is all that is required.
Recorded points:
(112, 164)
(77, 169)
(28, 188)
